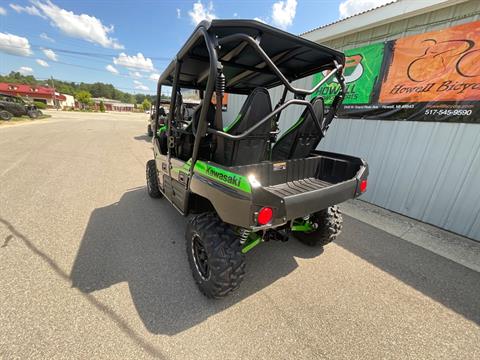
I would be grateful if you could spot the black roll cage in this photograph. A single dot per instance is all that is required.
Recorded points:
(215, 66)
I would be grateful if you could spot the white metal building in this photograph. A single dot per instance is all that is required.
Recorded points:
(112, 105)
(68, 103)
(426, 170)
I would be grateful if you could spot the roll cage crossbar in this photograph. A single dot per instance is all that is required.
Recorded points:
(268, 117)
(212, 44)
(255, 44)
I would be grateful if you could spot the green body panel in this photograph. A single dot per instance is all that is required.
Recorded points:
(225, 177)
(233, 205)
(302, 226)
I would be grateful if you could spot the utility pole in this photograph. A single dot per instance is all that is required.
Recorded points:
(54, 96)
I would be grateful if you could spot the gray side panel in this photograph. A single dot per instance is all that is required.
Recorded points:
(179, 193)
(233, 207)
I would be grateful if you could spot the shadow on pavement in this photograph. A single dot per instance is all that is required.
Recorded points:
(143, 138)
(100, 306)
(439, 278)
(141, 241)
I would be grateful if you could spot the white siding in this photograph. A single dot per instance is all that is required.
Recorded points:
(428, 171)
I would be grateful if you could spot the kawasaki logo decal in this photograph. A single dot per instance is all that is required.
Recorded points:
(231, 179)
(237, 181)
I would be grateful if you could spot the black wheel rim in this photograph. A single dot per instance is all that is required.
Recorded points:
(200, 257)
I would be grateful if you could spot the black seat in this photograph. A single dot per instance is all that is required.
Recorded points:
(254, 148)
(302, 138)
(196, 115)
(179, 114)
(187, 135)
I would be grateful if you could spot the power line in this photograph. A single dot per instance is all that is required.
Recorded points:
(85, 53)
(85, 67)
(96, 55)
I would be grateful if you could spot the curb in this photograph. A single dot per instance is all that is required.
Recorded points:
(457, 248)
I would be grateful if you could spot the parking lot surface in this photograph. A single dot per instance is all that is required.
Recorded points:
(91, 267)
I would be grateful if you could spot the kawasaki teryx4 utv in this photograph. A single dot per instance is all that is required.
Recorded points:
(244, 183)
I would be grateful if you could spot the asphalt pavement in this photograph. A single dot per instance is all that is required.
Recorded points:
(91, 267)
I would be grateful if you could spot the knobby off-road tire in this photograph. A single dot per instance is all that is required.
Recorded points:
(329, 223)
(208, 237)
(152, 180)
(5, 115)
(149, 130)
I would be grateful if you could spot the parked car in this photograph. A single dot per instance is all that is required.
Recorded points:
(15, 106)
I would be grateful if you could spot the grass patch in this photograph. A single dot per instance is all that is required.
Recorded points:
(18, 119)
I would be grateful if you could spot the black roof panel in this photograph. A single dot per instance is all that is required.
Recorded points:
(243, 67)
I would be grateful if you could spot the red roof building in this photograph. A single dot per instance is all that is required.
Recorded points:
(33, 92)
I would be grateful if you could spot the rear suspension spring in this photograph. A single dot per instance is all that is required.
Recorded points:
(244, 234)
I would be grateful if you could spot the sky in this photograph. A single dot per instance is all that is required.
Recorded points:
(129, 43)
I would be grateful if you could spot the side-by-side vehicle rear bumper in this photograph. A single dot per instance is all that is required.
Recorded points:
(292, 188)
(307, 196)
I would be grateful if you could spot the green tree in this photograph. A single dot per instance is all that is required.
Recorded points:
(64, 88)
(16, 77)
(139, 98)
(128, 98)
(146, 104)
(84, 98)
(102, 106)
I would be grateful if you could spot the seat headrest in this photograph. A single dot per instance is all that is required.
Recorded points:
(257, 105)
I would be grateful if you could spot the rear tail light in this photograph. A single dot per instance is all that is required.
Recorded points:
(363, 186)
(265, 215)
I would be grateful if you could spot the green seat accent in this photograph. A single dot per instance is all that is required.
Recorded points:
(302, 137)
(293, 127)
(232, 124)
(161, 129)
(252, 148)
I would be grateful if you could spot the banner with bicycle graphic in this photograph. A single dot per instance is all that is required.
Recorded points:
(433, 76)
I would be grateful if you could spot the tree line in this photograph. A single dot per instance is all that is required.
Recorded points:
(95, 90)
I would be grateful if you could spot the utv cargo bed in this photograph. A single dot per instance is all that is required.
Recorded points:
(329, 168)
(302, 186)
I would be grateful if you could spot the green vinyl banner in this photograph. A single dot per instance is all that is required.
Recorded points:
(362, 67)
